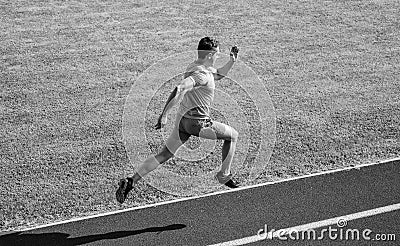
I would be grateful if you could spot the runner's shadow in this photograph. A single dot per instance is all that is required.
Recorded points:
(63, 239)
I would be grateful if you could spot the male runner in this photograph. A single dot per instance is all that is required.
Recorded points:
(196, 91)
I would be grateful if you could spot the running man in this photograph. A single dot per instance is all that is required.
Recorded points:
(196, 93)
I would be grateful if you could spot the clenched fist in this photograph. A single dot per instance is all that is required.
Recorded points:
(234, 53)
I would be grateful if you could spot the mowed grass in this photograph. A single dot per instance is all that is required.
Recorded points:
(331, 69)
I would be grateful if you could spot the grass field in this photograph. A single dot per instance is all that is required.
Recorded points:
(331, 68)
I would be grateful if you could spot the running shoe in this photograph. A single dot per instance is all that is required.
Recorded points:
(125, 185)
(226, 180)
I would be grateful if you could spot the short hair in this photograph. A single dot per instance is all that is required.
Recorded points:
(206, 44)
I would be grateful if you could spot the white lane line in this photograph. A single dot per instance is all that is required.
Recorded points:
(211, 194)
(264, 234)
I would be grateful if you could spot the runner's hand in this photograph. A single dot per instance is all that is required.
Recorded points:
(234, 53)
(162, 121)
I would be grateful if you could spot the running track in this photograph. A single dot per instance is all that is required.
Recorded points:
(366, 196)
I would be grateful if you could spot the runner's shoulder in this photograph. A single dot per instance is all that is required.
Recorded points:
(195, 69)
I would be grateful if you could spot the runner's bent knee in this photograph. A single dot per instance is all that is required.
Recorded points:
(225, 132)
(234, 135)
(231, 134)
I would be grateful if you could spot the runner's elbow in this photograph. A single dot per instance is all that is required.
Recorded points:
(180, 90)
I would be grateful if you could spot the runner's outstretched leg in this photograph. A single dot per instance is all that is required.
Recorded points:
(151, 163)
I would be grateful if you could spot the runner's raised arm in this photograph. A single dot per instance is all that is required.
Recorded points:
(223, 71)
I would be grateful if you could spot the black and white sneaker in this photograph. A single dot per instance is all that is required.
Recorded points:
(125, 185)
(232, 184)
(226, 180)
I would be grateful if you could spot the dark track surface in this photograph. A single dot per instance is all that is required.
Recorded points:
(239, 214)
